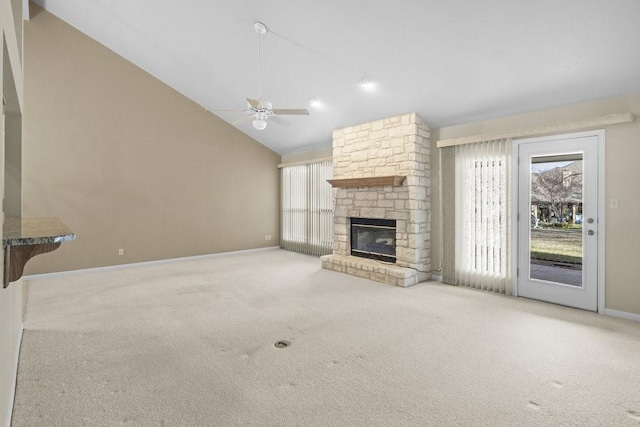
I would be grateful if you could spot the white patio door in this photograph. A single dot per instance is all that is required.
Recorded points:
(558, 219)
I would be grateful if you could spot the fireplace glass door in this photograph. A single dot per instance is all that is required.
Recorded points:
(374, 238)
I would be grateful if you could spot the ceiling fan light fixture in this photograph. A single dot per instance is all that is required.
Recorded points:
(259, 123)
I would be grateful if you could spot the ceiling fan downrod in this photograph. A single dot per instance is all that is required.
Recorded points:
(261, 29)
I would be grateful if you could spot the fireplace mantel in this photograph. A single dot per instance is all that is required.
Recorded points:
(374, 181)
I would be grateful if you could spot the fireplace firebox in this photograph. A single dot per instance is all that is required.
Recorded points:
(374, 238)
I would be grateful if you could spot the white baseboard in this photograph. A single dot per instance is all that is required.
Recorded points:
(141, 264)
(15, 377)
(622, 314)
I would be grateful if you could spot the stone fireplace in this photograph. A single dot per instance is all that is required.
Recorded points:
(381, 173)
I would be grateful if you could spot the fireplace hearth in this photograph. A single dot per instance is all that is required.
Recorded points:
(374, 238)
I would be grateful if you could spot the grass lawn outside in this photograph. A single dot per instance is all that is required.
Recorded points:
(557, 244)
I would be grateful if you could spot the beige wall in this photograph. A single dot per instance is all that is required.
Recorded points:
(13, 165)
(622, 177)
(11, 297)
(127, 162)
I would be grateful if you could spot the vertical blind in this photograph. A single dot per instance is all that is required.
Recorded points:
(483, 215)
(307, 208)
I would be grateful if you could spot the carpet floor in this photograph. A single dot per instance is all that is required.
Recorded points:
(191, 343)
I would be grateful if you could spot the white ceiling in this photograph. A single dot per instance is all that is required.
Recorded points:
(450, 61)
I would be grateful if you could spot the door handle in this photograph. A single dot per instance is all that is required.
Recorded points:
(591, 232)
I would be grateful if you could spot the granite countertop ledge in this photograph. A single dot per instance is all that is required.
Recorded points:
(34, 231)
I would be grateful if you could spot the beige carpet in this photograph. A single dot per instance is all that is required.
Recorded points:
(192, 344)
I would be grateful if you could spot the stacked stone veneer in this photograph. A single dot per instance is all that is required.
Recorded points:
(393, 146)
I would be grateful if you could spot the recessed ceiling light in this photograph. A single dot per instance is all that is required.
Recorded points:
(315, 102)
(367, 84)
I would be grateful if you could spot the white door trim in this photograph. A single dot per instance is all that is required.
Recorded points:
(600, 134)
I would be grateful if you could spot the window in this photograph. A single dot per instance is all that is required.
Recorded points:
(483, 215)
(307, 208)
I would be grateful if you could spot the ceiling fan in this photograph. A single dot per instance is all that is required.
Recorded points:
(259, 111)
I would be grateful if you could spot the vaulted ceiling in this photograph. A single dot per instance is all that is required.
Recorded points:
(451, 62)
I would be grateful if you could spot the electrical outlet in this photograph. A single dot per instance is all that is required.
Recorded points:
(613, 204)
(120, 251)
(266, 237)
(269, 237)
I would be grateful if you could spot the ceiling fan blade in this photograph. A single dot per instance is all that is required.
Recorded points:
(234, 111)
(291, 111)
(242, 120)
(253, 102)
(281, 121)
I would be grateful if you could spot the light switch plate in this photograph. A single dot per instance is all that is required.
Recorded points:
(613, 203)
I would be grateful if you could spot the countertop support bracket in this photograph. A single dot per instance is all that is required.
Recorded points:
(24, 238)
(16, 257)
